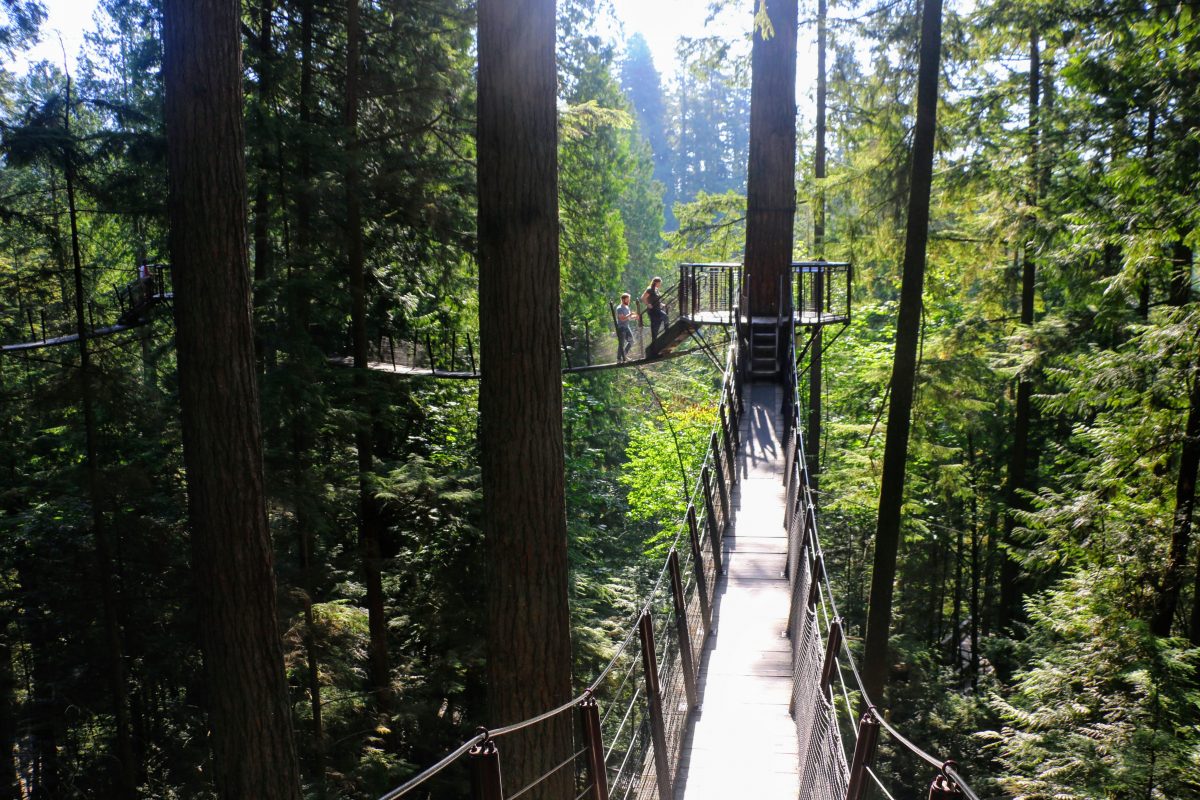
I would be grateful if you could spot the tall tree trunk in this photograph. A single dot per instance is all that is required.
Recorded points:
(369, 517)
(1010, 571)
(908, 324)
(771, 179)
(817, 347)
(1167, 598)
(127, 771)
(218, 391)
(520, 394)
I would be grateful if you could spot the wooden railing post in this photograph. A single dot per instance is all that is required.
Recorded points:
(658, 731)
(486, 784)
(833, 643)
(722, 488)
(864, 754)
(727, 437)
(686, 662)
(589, 713)
(698, 568)
(715, 533)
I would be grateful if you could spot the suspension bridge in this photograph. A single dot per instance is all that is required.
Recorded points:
(735, 678)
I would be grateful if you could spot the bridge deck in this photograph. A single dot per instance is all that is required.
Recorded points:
(743, 740)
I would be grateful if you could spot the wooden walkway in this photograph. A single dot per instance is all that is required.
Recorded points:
(743, 740)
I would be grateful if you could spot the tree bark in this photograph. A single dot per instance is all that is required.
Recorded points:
(908, 324)
(249, 710)
(771, 177)
(520, 394)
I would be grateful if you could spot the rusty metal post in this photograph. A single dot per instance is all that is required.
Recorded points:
(727, 437)
(430, 350)
(593, 740)
(818, 573)
(715, 536)
(864, 754)
(943, 788)
(684, 306)
(698, 568)
(484, 760)
(722, 487)
(658, 730)
(686, 661)
(587, 342)
(833, 643)
(471, 353)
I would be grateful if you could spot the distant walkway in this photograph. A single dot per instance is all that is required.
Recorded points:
(743, 741)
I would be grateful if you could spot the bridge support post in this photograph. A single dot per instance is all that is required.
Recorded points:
(686, 662)
(698, 568)
(727, 437)
(864, 754)
(658, 731)
(715, 532)
(722, 487)
(486, 784)
(594, 741)
(833, 643)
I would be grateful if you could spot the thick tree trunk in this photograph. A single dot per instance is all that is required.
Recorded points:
(771, 178)
(231, 542)
(904, 366)
(520, 394)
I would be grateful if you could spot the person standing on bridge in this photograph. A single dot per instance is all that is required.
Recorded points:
(658, 310)
(625, 318)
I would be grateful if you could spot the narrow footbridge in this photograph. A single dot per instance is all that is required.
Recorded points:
(734, 680)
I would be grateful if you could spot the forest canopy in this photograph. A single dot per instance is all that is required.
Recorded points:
(1046, 624)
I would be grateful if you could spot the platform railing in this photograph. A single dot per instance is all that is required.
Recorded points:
(709, 288)
(631, 720)
(824, 708)
(821, 291)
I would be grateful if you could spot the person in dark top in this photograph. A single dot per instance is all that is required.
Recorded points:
(658, 311)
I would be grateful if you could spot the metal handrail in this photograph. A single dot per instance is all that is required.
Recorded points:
(798, 472)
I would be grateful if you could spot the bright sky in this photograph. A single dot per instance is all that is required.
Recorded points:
(66, 19)
(661, 22)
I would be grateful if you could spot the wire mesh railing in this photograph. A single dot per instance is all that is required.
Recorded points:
(826, 681)
(632, 720)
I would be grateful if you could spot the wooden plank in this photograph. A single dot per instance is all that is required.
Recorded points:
(742, 742)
